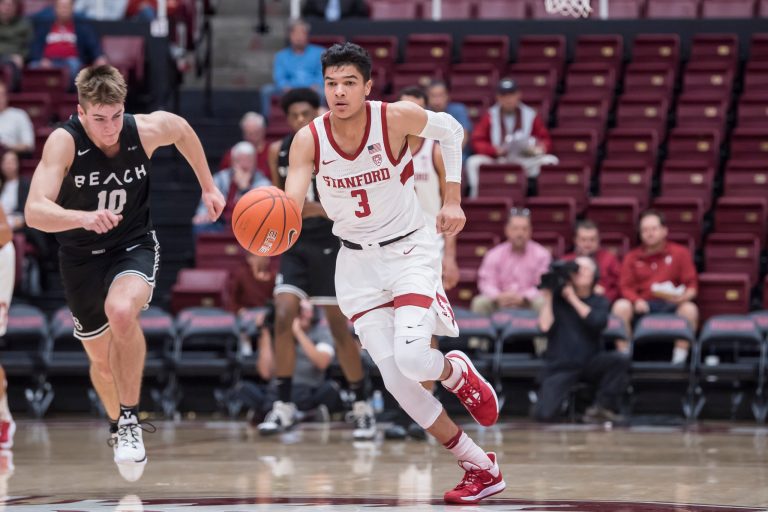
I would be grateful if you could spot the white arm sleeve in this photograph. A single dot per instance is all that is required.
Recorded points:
(447, 130)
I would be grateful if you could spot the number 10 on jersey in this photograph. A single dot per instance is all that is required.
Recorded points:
(116, 201)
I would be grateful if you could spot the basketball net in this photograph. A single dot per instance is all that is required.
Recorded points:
(575, 8)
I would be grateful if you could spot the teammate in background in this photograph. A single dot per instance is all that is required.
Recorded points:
(306, 272)
(91, 188)
(387, 273)
(429, 182)
(7, 279)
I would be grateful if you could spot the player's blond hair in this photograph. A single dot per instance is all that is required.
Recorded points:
(102, 85)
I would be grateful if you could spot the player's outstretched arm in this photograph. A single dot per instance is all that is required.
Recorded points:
(411, 119)
(41, 211)
(163, 129)
(301, 165)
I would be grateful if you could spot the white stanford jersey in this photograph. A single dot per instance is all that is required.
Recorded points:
(368, 195)
(426, 180)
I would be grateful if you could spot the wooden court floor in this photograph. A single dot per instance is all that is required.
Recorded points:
(225, 466)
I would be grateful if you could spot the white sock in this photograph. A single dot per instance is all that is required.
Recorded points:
(679, 355)
(456, 375)
(465, 449)
(5, 412)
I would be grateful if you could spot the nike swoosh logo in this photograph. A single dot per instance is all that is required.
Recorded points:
(327, 251)
(132, 148)
(129, 249)
(408, 342)
(329, 161)
(409, 250)
(81, 153)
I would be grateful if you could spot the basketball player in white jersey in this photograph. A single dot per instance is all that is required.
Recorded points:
(387, 272)
(7, 279)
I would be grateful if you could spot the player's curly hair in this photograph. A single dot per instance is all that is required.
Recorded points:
(300, 95)
(348, 54)
(101, 85)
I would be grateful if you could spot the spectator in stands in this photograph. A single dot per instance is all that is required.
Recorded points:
(573, 319)
(65, 42)
(253, 130)
(439, 100)
(510, 272)
(297, 65)
(334, 10)
(586, 242)
(312, 389)
(16, 130)
(233, 183)
(13, 190)
(657, 277)
(15, 37)
(112, 10)
(254, 281)
(510, 131)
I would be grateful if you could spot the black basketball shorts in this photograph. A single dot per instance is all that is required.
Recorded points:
(308, 269)
(88, 277)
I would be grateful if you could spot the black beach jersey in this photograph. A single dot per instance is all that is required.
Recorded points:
(95, 182)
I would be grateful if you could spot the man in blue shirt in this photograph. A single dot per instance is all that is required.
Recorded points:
(298, 65)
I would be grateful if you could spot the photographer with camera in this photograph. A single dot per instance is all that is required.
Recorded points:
(573, 317)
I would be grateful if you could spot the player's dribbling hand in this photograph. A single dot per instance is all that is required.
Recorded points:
(100, 221)
(450, 220)
(214, 202)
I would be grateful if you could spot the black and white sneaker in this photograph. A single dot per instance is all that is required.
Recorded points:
(128, 446)
(364, 420)
(282, 417)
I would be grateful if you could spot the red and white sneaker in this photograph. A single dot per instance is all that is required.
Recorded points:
(476, 393)
(477, 483)
(7, 429)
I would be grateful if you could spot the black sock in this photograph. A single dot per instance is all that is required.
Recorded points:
(284, 387)
(112, 427)
(127, 411)
(360, 390)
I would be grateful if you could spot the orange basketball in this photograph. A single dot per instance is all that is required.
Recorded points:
(266, 222)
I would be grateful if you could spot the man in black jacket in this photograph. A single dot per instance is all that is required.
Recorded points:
(573, 321)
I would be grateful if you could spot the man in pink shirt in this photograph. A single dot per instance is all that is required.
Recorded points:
(510, 273)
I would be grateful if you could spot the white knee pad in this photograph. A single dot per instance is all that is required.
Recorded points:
(376, 330)
(414, 356)
(419, 403)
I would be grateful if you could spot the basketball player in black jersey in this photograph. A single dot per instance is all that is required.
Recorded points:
(306, 272)
(91, 188)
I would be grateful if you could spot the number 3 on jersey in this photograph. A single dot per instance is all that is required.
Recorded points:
(117, 200)
(365, 208)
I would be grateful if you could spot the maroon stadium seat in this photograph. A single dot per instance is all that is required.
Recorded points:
(486, 49)
(733, 253)
(683, 215)
(605, 49)
(565, 180)
(750, 144)
(218, 250)
(592, 80)
(553, 214)
(393, 10)
(694, 145)
(684, 179)
(746, 179)
(742, 215)
(553, 242)
(36, 104)
(629, 181)
(472, 247)
(758, 47)
(476, 105)
(201, 287)
(435, 49)
(480, 79)
(697, 111)
(576, 111)
(486, 215)
(636, 111)
(451, 9)
(636, 144)
(617, 243)
(126, 53)
(326, 40)
(728, 9)
(574, 145)
(715, 48)
(382, 49)
(753, 110)
(51, 80)
(720, 294)
(534, 78)
(618, 215)
(626, 9)
(756, 77)
(672, 9)
(709, 77)
(502, 10)
(538, 49)
(657, 48)
(420, 74)
(649, 80)
(503, 180)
